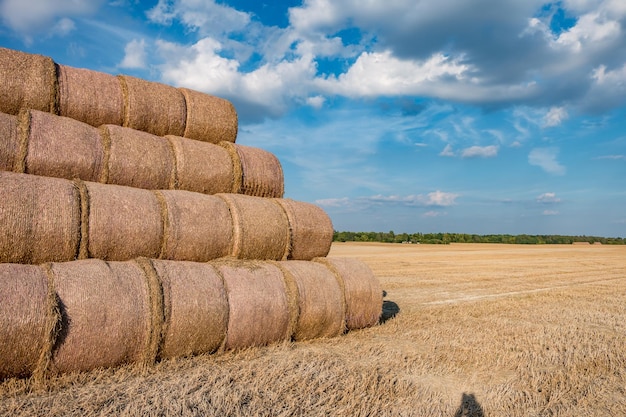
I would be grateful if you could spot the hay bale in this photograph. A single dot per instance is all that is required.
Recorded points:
(320, 300)
(195, 306)
(202, 167)
(262, 174)
(199, 227)
(311, 229)
(90, 96)
(40, 218)
(258, 307)
(105, 314)
(209, 118)
(260, 228)
(153, 107)
(24, 328)
(362, 291)
(139, 159)
(61, 147)
(124, 222)
(9, 143)
(27, 81)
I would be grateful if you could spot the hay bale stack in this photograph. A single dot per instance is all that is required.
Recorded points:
(138, 159)
(195, 308)
(27, 81)
(10, 147)
(261, 172)
(310, 227)
(90, 96)
(106, 316)
(258, 306)
(209, 118)
(362, 291)
(153, 107)
(321, 303)
(123, 222)
(60, 147)
(40, 218)
(260, 228)
(199, 227)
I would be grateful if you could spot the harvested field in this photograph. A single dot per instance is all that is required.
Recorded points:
(482, 330)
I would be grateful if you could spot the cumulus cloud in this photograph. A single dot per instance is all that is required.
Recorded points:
(480, 152)
(545, 158)
(134, 54)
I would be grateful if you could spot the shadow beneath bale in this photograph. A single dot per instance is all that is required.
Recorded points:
(390, 309)
(469, 407)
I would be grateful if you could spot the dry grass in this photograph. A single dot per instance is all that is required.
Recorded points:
(493, 330)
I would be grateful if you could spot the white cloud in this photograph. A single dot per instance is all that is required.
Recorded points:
(333, 202)
(480, 152)
(550, 212)
(63, 27)
(433, 213)
(555, 116)
(134, 54)
(614, 157)
(447, 151)
(545, 158)
(548, 198)
(316, 101)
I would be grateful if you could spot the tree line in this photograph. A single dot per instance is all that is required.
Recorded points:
(446, 238)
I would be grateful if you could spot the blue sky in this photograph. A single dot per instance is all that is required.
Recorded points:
(483, 116)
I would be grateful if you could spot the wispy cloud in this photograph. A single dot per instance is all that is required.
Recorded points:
(550, 213)
(432, 199)
(545, 158)
(613, 157)
(480, 152)
(548, 198)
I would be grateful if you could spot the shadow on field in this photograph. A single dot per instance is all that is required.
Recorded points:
(390, 309)
(469, 407)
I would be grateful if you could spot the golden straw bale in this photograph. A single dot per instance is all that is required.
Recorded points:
(27, 81)
(9, 143)
(262, 174)
(153, 107)
(90, 96)
(40, 218)
(195, 307)
(258, 305)
(209, 118)
(199, 226)
(260, 227)
(311, 229)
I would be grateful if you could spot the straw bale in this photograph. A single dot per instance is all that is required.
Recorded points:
(320, 300)
(202, 167)
(196, 308)
(311, 229)
(90, 96)
(139, 159)
(209, 118)
(61, 147)
(27, 81)
(362, 291)
(260, 228)
(9, 143)
(258, 305)
(199, 226)
(156, 307)
(23, 318)
(124, 222)
(236, 164)
(262, 174)
(153, 107)
(40, 218)
(105, 314)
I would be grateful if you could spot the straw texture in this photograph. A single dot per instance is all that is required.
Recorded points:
(262, 174)
(311, 229)
(209, 118)
(9, 143)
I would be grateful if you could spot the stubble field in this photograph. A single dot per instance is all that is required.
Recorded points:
(469, 330)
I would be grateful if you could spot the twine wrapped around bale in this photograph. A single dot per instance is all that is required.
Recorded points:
(261, 172)
(311, 229)
(260, 228)
(199, 226)
(60, 147)
(40, 218)
(90, 96)
(10, 148)
(195, 307)
(27, 81)
(209, 118)
(153, 107)
(362, 291)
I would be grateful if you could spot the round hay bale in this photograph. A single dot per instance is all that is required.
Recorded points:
(27, 81)
(61, 147)
(262, 174)
(258, 307)
(260, 228)
(202, 167)
(362, 291)
(40, 218)
(195, 306)
(9, 143)
(90, 96)
(320, 300)
(105, 314)
(311, 229)
(139, 159)
(209, 118)
(124, 222)
(153, 107)
(24, 328)
(199, 227)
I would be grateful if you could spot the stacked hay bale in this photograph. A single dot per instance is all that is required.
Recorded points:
(116, 188)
